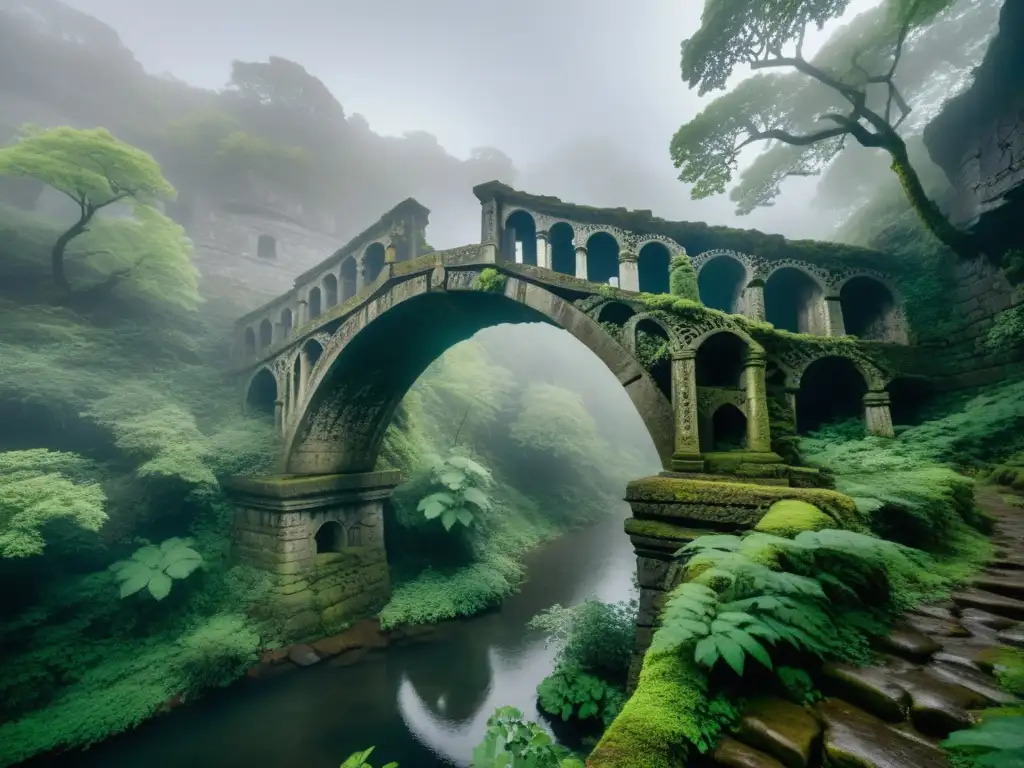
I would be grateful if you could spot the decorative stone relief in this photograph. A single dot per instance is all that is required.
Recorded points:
(489, 223)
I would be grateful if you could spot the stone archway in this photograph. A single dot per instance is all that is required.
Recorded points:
(563, 253)
(720, 283)
(353, 393)
(652, 262)
(831, 389)
(521, 230)
(602, 258)
(870, 310)
(795, 301)
(261, 393)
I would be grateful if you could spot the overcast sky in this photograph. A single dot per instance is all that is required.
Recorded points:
(531, 78)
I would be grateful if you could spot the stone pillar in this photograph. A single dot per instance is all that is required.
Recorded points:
(301, 313)
(581, 262)
(759, 439)
(834, 325)
(489, 232)
(876, 413)
(753, 301)
(629, 272)
(543, 256)
(279, 414)
(322, 580)
(360, 274)
(686, 457)
(303, 373)
(390, 254)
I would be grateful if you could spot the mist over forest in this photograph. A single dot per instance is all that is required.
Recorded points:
(589, 478)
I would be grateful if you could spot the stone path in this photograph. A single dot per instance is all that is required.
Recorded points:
(934, 673)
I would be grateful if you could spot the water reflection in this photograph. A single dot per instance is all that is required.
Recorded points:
(422, 705)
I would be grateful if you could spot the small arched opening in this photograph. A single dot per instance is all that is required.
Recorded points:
(654, 351)
(330, 537)
(721, 282)
(330, 284)
(261, 399)
(312, 349)
(521, 231)
(250, 341)
(909, 400)
(314, 302)
(286, 323)
(615, 312)
(373, 261)
(793, 301)
(720, 361)
(349, 280)
(831, 390)
(602, 258)
(563, 252)
(266, 247)
(728, 430)
(869, 309)
(652, 263)
(266, 333)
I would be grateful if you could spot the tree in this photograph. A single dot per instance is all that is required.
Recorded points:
(91, 167)
(807, 114)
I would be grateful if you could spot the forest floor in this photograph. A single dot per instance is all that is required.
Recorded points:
(936, 672)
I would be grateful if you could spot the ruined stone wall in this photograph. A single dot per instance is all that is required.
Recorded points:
(960, 359)
(227, 256)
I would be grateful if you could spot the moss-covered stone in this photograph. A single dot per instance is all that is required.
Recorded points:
(659, 722)
(737, 505)
(784, 730)
(791, 516)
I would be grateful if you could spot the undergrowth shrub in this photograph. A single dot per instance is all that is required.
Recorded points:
(595, 645)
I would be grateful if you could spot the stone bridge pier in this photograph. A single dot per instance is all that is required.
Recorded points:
(322, 538)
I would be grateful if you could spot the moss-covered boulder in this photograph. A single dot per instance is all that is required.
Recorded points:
(791, 516)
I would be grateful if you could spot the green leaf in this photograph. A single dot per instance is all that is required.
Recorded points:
(464, 515)
(148, 556)
(179, 553)
(477, 497)
(453, 478)
(706, 652)
(448, 519)
(135, 581)
(997, 733)
(731, 651)
(181, 569)
(462, 462)
(358, 759)
(751, 646)
(160, 585)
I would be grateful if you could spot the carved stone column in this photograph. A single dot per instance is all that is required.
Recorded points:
(303, 373)
(753, 301)
(301, 313)
(686, 457)
(581, 262)
(489, 232)
(834, 325)
(759, 438)
(543, 254)
(629, 272)
(390, 254)
(877, 415)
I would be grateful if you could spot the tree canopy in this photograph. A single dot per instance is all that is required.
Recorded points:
(805, 111)
(97, 171)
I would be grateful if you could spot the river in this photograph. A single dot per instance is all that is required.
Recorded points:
(422, 705)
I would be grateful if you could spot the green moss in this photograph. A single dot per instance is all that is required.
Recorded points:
(659, 720)
(678, 490)
(682, 279)
(791, 516)
(491, 281)
(661, 529)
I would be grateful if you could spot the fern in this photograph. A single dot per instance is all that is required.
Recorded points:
(570, 692)
(996, 743)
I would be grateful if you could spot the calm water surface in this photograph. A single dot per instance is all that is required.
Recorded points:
(423, 705)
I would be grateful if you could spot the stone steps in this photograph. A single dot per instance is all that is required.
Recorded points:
(933, 674)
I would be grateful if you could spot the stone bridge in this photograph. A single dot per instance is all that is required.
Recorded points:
(332, 358)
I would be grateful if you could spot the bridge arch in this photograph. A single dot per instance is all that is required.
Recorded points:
(794, 300)
(261, 392)
(602, 257)
(561, 238)
(375, 356)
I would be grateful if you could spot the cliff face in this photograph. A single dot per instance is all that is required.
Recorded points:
(978, 138)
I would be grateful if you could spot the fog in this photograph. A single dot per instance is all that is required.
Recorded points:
(583, 97)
